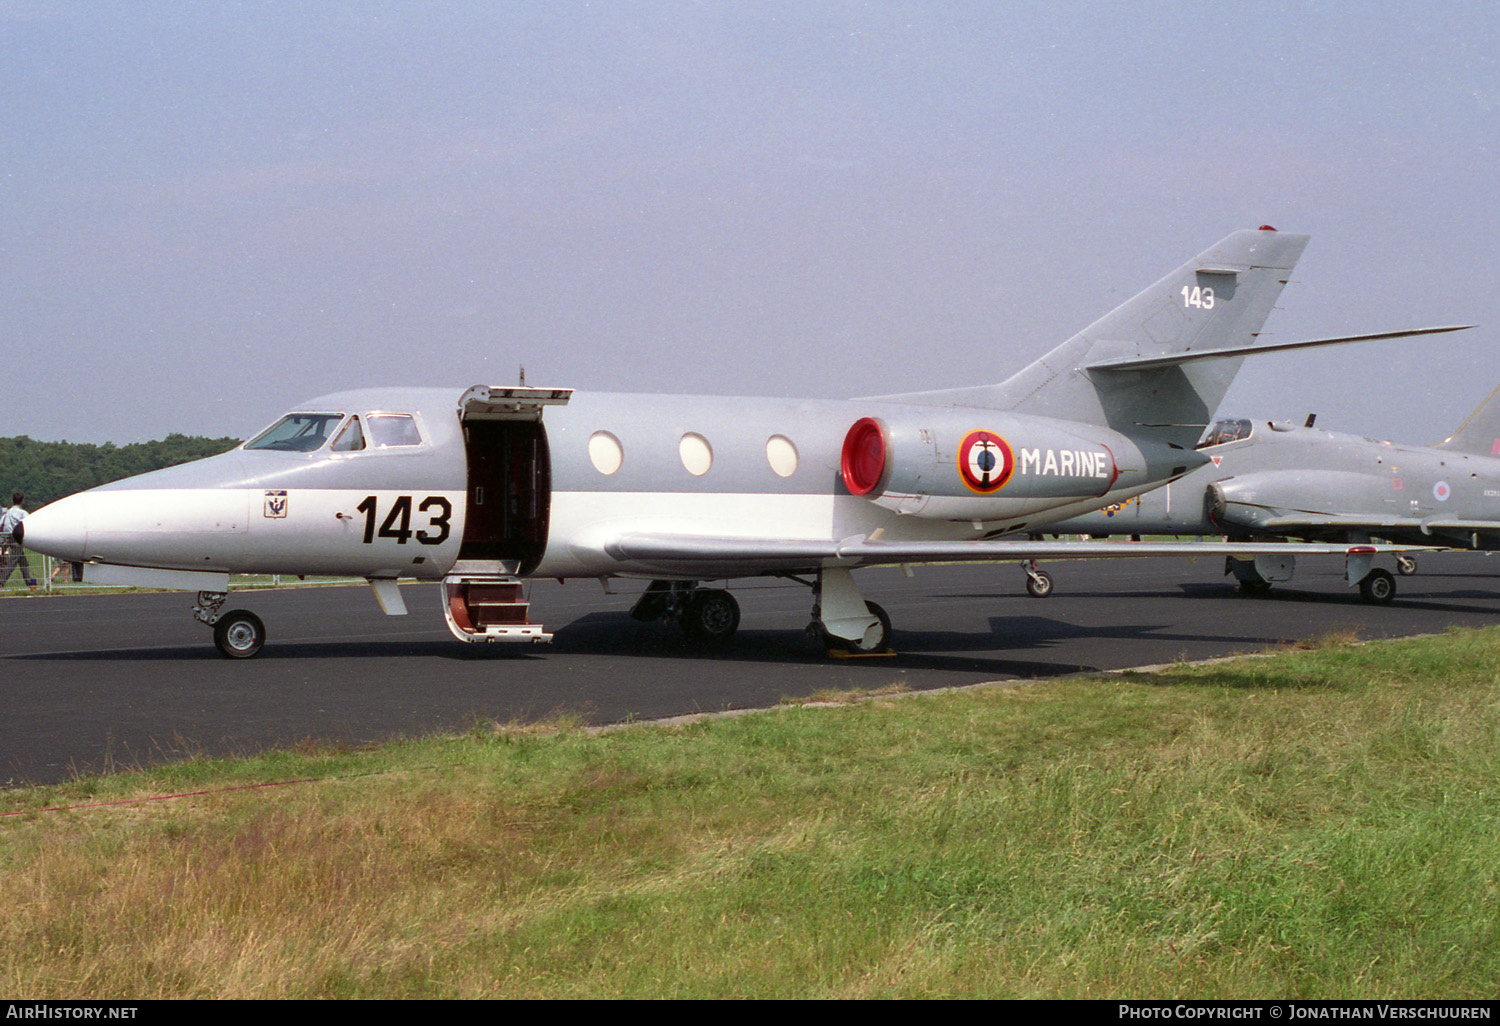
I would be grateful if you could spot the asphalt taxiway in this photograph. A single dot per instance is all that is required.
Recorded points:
(95, 682)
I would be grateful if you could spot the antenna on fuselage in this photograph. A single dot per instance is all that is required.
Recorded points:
(522, 382)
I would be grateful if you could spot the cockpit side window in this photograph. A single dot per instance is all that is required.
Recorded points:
(1226, 431)
(351, 439)
(393, 429)
(297, 432)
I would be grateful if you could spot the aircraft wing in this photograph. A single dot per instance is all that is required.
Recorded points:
(1491, 526)
(709, 556)
(1331, 521)
(1320, 522)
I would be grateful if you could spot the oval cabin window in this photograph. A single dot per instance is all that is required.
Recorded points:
(605, 452)
(697, 455)
(781, 453)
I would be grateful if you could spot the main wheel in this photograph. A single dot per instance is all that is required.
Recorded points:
(711, 615)
(1406, 566)
(1039, 584)
(1255, 588)
(1378, 587)
(868, 644)
(239, 634)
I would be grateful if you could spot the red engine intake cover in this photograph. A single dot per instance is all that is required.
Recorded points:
(863, 460)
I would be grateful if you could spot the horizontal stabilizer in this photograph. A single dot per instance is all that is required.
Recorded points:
(1142, 363)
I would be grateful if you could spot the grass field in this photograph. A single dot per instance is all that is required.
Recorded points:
(1322, 823)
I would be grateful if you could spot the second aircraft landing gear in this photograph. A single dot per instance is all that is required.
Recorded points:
(1038, 581)
(1256, 575)
(1377, 587)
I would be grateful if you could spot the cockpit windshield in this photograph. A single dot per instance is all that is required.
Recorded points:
(1226, 431)
(297, 432)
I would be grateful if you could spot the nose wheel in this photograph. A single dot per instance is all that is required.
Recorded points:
(239, 634)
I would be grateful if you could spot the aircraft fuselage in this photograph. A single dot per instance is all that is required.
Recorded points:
(557, 488)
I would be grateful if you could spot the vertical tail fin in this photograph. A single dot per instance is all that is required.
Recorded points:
(1217, 300)
(1480, 433)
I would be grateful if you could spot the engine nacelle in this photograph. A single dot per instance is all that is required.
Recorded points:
(979, 465)
(1249, 501)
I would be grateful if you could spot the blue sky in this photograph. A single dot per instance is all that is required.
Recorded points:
(212, 211)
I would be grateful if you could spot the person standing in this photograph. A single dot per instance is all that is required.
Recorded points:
(11, 535)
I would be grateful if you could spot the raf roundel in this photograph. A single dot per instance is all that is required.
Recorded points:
(985, 461)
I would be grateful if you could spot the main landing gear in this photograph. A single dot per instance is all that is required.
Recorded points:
(1376, 586)
(704, 614)
(841, 619)
(875, 641)
(238, 634)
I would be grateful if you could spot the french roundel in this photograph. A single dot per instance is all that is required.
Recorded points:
(985, 461)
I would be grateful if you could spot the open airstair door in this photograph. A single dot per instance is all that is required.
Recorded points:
(508, 501)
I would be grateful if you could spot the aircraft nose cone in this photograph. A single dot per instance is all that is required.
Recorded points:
(60, 529)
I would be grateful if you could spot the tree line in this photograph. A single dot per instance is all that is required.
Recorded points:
(49, 470)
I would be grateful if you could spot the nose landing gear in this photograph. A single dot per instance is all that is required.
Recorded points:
(238, 634)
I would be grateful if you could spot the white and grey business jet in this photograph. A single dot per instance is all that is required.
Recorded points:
(482, 488)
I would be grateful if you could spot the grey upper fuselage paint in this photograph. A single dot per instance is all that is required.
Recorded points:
(438, 463)
(649, 429)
